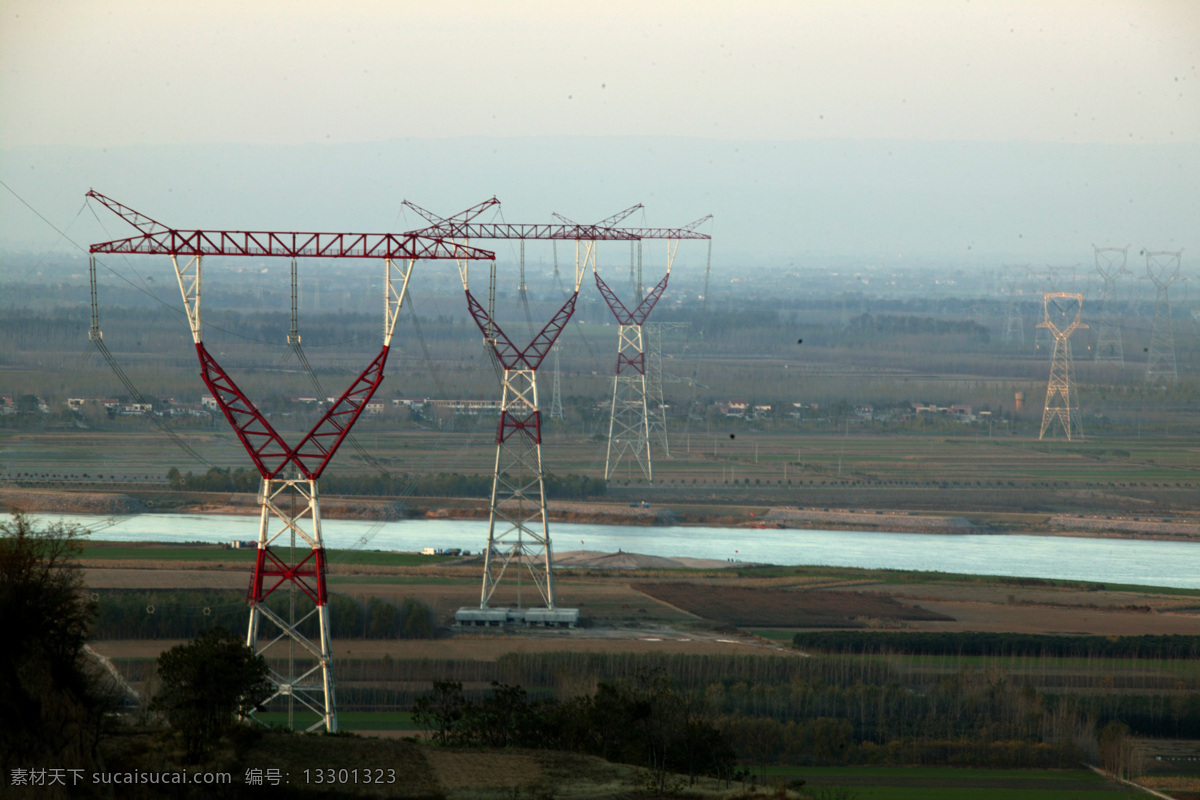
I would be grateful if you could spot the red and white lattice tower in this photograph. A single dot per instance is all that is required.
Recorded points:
(629, 425)
(518, 529)
(291, 550)
(1061, 402)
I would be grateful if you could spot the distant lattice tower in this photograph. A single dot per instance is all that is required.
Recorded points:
(1162, 267)
(1014, 325)
(556, 406)
(1110, 264)
(1051, 278)
(1062, 319)
(656, 407)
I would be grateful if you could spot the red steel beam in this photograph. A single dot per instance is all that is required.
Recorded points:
(638, 315)
(663, 233)
(292, 244)
(266, 448)
(460, 226)
(509, 355)
(451, 229)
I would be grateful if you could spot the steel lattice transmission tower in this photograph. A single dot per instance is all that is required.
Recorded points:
(518, 528)
(289, 501)
(1061, 403)
(1162, 267)
(1050, 280)
(656, 403)
(1110, 264)
(556, 406)
(629, 425)
(1014, 323)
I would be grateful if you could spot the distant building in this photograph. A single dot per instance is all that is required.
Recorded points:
(78, 403)
(468, 407)
(960, 412)
(135, 409)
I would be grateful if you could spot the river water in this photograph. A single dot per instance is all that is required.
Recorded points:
(1132, 561)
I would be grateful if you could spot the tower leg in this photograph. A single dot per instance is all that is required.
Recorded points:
(301, 669)
(518, 533)
(629, 427)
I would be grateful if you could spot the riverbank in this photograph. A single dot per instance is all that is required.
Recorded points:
(1175, 528)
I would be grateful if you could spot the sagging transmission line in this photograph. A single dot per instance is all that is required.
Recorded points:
(323, 398)
(96, 336)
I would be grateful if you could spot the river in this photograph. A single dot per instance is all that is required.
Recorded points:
(1129, 561)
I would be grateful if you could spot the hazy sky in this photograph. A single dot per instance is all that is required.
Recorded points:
(125, 72)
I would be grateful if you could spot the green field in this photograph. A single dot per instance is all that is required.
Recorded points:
(1009, 483)
(402, 580)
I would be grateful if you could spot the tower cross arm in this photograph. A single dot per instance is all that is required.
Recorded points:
(294, 245)
(569, 232)
(666, 233)
(158, 239)
(461, 226)
(135, 218)
(686, 232)
(461, 217)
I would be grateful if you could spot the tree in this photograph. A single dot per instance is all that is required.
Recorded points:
(51, 702)
(1116, 749)
(441, 712)
(208, 682)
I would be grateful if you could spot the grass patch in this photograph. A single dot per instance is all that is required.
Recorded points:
(401, 580)
(103, 552)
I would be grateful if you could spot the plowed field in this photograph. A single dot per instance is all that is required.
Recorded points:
(752, 607)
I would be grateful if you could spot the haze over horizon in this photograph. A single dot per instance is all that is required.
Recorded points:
(944, 130)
